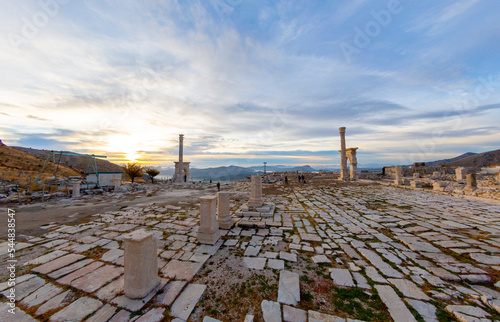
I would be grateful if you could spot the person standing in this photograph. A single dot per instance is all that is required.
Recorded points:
(218, 186)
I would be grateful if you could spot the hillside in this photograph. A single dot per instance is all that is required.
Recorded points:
(221, 173)
(81, 163)
(477, 160)
(455, 159)
(13, 161)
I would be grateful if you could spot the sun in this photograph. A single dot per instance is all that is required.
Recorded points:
(132, 156)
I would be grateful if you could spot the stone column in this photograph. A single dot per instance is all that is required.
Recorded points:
(344, 173)
(471, 181)
(460, 173)
(180, 174)
(256, 199)
(223, 217)
(208, 232)
(398, 172)
(141, 264)
(75, 193)
(353, 163)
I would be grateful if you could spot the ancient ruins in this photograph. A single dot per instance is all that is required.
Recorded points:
(412, 243)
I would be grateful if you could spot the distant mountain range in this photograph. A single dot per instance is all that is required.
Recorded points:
(445, 161)
(484, 159)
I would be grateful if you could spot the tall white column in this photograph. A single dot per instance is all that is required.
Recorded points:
(344, 172)
(75, 193)
(180, 174)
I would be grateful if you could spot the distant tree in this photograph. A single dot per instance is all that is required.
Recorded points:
(133, 170)
(152, 173)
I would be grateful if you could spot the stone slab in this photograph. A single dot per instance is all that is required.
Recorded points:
(276, 264)
(341, 277)
(181, 270)
(77, 310)
(96, 279)
(271, 311)
(170, 292)
(409, 289)
(41, 295)
(291, 314)
(426, 310)
(66, 280)
(46, 258)
(57, 263)
(397, 308)
(186, 302)
(104, 314)
(111, 290)
(254, 262)
(55, 302)
(154, 315)
(289, 288)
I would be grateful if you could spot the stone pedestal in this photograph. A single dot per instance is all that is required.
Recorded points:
(141, 264)
(460, 173)
(399, 175)
(223, 217)
(344, 172)
(471, 181)
(416, 184)
(75, 191)
(256, 199)
(208, 233)
(117, 183)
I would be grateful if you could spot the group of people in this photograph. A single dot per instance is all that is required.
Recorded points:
(300, 177)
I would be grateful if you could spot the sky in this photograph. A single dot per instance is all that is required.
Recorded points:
(248, 81)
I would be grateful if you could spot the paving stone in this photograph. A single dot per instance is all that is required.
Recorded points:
(276, 263)
(111, 290)
(170, 292)
(409, 289)
(18, 280)
(103, 314)
(288, 257)
(270, 255)
(77, 310)
(271, 311)
(252, 251)
(96, 279)
(485, 259)
(467, 313)
(385, 268)
(443, 274)
(26, 288)
(66, 280)
(372, 273)
(341, 277)
(57, 263)
(397, 308)
(46, 258)
(136, 304)
(291, 314)
(154, 315)
(361, 281)
(289, 288)
(186, 302)
(426, 310)
(476, 279)
(112, 255)
(254, 262)
(55, 302)
(41, 295)
(321, 317)
(181, 270)
(209, 319)
(121, 316)
(318, 259)
(18, 316)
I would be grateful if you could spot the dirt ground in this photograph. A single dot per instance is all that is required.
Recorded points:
(29, 218)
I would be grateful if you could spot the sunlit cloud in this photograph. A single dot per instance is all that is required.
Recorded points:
(254, 82)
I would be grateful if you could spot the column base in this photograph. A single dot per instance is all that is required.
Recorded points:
(207, 238)
(226, 223)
